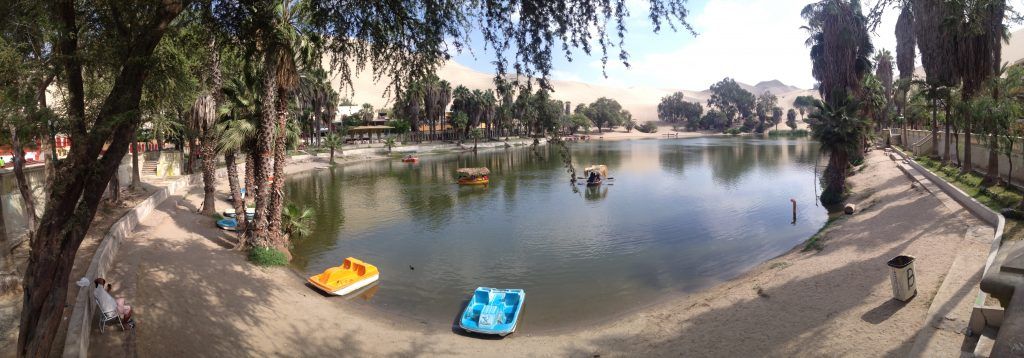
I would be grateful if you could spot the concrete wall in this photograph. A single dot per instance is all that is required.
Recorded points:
(979, 152)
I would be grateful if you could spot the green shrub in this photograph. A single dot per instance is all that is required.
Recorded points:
(647, 127)
(265, 256)
(791, 133)
(399, 126)
(732, 131)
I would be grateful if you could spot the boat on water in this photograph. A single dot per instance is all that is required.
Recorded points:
(228, 224)
(595, 174)
(249, 213)
(473, 176)
(493, 311)
(410, 159)
(352, 275)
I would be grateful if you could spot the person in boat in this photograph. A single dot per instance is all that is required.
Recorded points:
(593, 178)
(108, 303)
(409, 157)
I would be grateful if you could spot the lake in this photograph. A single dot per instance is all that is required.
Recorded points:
(679, 216)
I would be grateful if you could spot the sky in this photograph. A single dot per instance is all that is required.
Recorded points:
(748, 40)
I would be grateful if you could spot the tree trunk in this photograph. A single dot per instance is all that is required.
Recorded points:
(257, 233)
(280, 158)
(136, 179)
(1009, 160)
(935, 128)
(27, 199)
(236, 191)
(835, 178)
(114, 186)
(949, 122)
(209, 161)
(250, 174)
(968, 164)
(332, 154)
(72, 204)
(992, 172)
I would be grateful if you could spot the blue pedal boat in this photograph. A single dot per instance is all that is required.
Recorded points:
(228, 224)
(493, 311)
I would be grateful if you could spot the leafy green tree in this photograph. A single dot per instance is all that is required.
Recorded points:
(791, 119)
(578, 121)
(459, 121)
(803, 104)
(389, 143)
(765, 103)
(732, 100)
(714, 119)
(673, 109)
(776, 116)
(605, 113)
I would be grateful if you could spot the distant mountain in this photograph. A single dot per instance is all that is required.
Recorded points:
(776, 87)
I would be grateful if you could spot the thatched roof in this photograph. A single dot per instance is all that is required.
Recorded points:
(473, 172)
(600, 169)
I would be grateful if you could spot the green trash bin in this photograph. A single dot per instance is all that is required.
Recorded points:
(903, 277)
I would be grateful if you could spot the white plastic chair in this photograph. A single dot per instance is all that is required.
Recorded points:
(107, 316)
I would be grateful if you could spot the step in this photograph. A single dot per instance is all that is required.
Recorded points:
(986, 340)
(949, 314)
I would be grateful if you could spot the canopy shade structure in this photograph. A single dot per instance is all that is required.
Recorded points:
(600, 169)
(473, 172)
(369, 129)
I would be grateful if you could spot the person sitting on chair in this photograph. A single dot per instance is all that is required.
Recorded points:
(107, 302)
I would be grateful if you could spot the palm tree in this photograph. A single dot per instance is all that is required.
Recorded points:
(906, 52)
(839, 130)
(840, 47)
(201, 120)
(937, 39)
(979, 53)
(297, 221)
(389, 142)
(884, 75)
(286, 47)
(316, 100)
(332, 141)
(237, 134)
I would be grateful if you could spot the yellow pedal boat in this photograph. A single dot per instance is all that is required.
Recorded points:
(473, 176)
(352, 275)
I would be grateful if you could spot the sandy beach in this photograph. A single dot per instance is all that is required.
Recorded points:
(196, 297)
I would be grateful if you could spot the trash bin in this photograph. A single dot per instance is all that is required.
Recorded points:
(904, 282)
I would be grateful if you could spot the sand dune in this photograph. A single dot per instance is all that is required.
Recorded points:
(641, 101)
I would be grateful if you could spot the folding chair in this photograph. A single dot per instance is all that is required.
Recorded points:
(107, 316)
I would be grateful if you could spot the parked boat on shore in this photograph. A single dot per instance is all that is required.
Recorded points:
(352, 275)
(493, 311)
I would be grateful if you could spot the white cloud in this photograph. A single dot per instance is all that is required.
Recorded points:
(748, 40)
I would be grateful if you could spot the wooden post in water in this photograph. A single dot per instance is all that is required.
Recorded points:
(794, 210)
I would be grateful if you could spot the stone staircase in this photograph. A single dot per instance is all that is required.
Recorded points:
(149, 167)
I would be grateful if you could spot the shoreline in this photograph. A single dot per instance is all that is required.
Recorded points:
(835, 301)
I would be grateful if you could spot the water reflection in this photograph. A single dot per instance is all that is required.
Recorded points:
(684, 214)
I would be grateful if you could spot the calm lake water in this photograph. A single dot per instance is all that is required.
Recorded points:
(679, 216)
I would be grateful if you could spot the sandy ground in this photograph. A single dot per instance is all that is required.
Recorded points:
(196, 297)
(106, 215)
